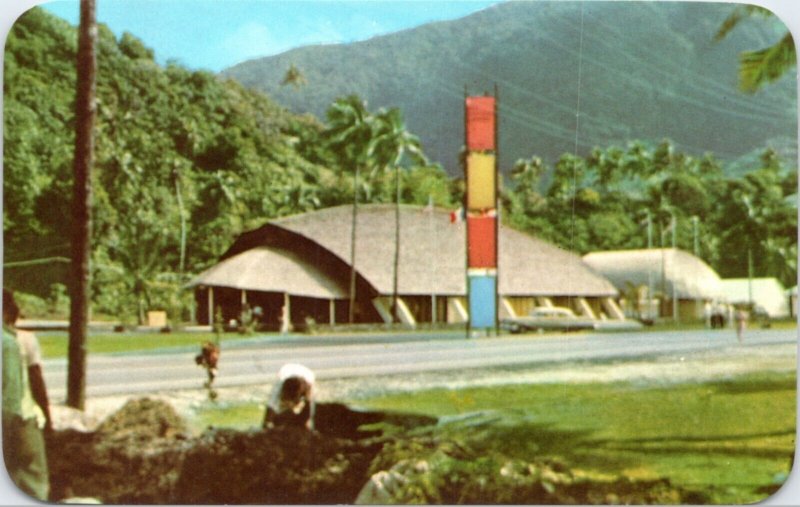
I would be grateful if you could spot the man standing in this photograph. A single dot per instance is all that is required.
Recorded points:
(23, 418)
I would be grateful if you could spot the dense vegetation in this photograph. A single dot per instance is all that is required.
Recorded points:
(649, 70)
(185, 161)
(602, 202)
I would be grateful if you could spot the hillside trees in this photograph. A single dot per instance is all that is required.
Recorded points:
(184, 162)
(602, 201)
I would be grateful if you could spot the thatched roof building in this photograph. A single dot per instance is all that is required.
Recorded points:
(669, 270)
(664, 274)
(308, 255)
(768, 293)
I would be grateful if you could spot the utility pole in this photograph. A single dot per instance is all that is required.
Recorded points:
(649, 271)
(696, 250)
(674, 225)
(81, 207)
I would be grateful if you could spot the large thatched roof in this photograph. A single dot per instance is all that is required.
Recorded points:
(432, 253)
(270, 269)
(768, 293)
(664, 268)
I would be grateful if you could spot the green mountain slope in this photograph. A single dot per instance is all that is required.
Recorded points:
(178, 154)
(646, 71)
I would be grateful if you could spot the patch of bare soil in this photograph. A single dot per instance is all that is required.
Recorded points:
(143, 454)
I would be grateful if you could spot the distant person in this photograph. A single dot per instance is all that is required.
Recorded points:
(208, 358)
(741, 317)
(291, 402)
(23, 418)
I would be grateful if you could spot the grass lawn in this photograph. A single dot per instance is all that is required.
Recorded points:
(54, 345)
(732, 439)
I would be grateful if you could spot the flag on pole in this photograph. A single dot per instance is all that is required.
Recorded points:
(457, 216)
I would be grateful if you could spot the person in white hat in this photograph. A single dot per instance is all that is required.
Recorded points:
(292, 400)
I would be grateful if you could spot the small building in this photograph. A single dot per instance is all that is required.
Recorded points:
(651, 281)
(297, 269)
(768, 293)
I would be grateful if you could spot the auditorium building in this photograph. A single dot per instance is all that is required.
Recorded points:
(297, 270)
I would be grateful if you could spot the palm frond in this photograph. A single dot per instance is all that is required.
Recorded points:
(739, 13)
(757, 68)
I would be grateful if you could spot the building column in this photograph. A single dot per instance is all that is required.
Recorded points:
(211, 306)
(286, 314)
(456, 310)
(332, 311)
(610, 306)
(507, 309)
(586, 309)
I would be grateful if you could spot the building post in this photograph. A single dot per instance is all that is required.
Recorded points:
(211, 306)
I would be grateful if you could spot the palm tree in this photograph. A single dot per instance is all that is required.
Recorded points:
(349, 135)
(757, 68)
(294, 77)
(391, 143)
(82, 228)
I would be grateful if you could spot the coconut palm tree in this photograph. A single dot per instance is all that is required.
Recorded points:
(391, 143)
(349, 136)
(757, 68)
(294, 77)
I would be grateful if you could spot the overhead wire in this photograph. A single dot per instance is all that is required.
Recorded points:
(665, 62)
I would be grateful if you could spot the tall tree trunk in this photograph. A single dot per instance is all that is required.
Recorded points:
(395, 309)
(81, 206)
(179, 197)
(352, 309)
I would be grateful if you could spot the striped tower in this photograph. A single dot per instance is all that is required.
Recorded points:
(480, 169)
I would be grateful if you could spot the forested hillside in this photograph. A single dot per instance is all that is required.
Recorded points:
(184, 161)
(649, 71)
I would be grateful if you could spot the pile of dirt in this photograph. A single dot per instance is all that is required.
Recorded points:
(143, 454)
(134, 456)
(279, 466)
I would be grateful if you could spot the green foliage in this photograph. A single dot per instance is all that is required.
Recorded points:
(716, 441)
(601, 202)
(762, 66)
(184, 162)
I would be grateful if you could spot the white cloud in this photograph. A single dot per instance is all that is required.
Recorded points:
(250, 40)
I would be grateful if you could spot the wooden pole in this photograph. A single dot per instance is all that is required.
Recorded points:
(81, 208)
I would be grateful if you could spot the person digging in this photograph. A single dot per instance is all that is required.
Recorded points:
(292, 400)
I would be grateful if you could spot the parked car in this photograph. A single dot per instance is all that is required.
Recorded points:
(548, 318)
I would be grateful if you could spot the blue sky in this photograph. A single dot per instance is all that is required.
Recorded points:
(215, 34)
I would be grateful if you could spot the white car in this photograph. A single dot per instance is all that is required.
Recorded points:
(546, 318)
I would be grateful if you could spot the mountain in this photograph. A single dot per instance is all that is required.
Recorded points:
(624, 70)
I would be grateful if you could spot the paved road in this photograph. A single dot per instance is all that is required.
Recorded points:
(256, 361)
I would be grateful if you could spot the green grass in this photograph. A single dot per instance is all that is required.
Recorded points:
(54, 345)
(235, 415)
(730, 438)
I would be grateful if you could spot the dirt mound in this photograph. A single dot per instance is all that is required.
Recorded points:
(142, 454)
(133, 457)
(280, 466)
(143, 419)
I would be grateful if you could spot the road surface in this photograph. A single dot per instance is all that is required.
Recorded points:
(256, 361)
